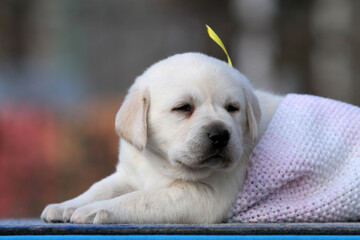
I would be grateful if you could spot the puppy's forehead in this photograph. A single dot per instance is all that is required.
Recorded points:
(194, 72)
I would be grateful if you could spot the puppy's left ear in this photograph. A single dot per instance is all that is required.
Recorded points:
(131, 119)
(253, 113)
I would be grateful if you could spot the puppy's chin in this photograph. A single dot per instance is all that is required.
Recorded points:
(215, 162)
(204, 168)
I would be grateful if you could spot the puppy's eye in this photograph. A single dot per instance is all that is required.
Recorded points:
(232, 108)
(186, 108)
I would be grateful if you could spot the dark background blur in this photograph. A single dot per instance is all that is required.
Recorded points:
(65, 66)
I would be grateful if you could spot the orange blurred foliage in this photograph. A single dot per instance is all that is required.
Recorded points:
(48, 157)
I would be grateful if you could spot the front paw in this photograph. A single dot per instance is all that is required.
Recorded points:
(92, 214)
(57, 213)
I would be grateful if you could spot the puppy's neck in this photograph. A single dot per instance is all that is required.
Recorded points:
(156, 159)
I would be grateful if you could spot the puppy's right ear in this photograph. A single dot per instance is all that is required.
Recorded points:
(131, 119)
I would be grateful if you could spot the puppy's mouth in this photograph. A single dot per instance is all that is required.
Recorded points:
(216, 161)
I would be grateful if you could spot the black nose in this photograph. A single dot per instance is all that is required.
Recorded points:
(219, 137)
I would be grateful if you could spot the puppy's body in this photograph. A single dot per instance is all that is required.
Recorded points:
(187, 128)
(268, 103)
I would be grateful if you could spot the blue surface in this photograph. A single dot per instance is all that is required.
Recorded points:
(35, 228)
(180, 237)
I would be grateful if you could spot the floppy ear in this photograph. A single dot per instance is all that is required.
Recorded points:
(253, 113)
(131, 119)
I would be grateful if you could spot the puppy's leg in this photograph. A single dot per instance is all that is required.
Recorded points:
(110, 187)
(183, 203)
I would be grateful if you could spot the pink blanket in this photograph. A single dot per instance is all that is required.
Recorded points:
(306, 167)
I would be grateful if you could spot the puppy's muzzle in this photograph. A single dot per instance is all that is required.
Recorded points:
(219, 136)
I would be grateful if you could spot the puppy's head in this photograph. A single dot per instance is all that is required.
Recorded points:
(194, 114)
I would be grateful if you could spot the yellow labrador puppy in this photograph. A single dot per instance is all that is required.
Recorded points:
(187, 127)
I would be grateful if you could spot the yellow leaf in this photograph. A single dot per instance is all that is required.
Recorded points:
(216, 39)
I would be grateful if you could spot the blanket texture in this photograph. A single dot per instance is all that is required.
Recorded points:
(306, 167)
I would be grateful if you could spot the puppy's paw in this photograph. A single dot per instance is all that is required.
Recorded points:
(58, 212)
(92, 213)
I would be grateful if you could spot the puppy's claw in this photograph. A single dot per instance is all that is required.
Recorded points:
(52, 213)
(68, 212)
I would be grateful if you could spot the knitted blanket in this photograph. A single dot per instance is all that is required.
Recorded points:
(306, 167)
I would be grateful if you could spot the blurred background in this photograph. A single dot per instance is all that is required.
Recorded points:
(65, 66)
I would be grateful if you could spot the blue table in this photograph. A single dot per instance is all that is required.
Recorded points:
(36, 229)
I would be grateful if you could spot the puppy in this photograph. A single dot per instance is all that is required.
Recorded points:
(186, 127)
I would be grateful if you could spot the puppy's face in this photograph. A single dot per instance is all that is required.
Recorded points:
(193, 113)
